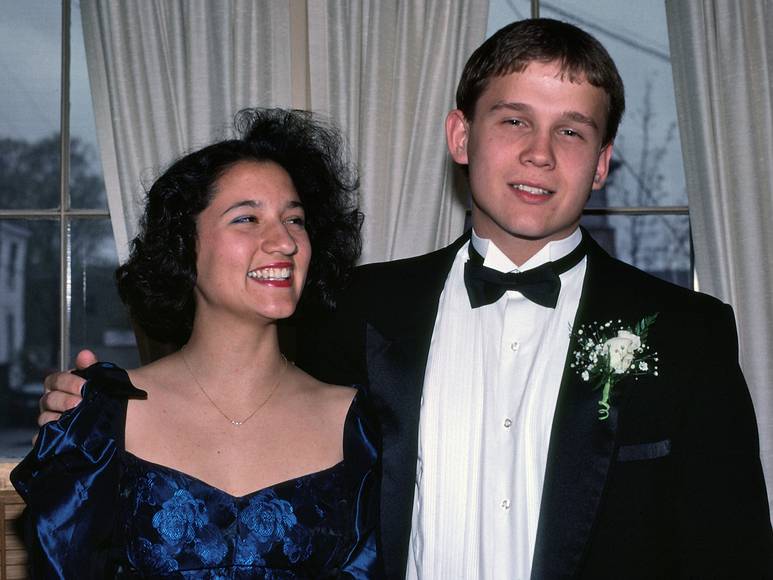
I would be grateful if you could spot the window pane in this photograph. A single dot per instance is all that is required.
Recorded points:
(87, 188)
(658, 244)
(29, 325)
(99, 321)
(30, 37)
(502, 12)
(647, 165)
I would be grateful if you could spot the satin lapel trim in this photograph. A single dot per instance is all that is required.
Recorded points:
(581, 446)
(397, 349)
(396, 366)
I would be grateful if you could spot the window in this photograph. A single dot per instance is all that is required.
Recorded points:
(641, 215)
(57, 252)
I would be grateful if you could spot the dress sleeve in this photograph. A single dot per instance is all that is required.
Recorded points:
(71, 477)
(361, 457)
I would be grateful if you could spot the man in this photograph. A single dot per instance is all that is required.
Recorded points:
(512, 447)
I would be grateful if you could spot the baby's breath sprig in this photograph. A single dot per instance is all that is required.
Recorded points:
(608, 351)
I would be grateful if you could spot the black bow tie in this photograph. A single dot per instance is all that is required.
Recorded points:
(541, 285)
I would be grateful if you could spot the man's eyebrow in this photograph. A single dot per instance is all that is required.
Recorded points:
(512, 106)
(580, 118)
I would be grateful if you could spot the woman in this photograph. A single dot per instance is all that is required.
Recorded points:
(225, 461)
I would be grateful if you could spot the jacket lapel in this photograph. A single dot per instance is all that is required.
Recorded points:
(396, 375)
(581, 446)
(398, 336)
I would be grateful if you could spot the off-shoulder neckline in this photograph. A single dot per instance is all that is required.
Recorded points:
(236, 498)
(350, 414)
(125, 390)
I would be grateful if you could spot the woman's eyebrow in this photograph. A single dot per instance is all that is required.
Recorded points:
(257, 204)
(251, 203)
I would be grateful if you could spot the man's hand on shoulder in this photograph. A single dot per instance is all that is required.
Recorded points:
(63, 390)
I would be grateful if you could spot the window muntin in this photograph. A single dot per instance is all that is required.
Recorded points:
(641, 214)
(57, 252)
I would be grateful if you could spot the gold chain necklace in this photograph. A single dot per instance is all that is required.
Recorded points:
(219, 410)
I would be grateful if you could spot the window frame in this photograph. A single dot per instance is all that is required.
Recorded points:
(64, 214)
(626, 210)
(634, 210)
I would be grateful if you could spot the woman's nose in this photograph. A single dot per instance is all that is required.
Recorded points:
(278, 239)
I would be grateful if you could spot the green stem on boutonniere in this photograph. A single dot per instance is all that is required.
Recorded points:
(604, 402)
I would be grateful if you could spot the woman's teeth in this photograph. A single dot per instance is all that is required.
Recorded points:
(270, 273)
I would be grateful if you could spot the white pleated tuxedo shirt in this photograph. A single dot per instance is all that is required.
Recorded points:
(490, 391)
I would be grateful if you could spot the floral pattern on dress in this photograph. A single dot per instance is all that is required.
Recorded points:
(210, 546)
(297, 545)
(197, 526)
(156, 557)
(182, 525)
(144, 520)
(268, 517)
(180, 518)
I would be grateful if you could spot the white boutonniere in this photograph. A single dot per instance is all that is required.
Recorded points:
(609, 351)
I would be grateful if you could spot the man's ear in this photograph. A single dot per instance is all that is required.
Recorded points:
(457, 136)
(602, 166)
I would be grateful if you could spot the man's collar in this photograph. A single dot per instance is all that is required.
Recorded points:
(494, 258)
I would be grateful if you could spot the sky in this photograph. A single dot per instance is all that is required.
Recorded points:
(30, 48)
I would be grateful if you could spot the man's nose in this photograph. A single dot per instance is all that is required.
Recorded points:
(539, 151)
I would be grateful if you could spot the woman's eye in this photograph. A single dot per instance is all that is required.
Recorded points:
(243, 219)
(296, 220)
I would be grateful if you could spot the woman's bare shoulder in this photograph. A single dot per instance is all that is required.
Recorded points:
(161, 373)
(333, 398)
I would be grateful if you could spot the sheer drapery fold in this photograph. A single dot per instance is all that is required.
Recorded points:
(722, 56)
(386, 72)
(167, 76)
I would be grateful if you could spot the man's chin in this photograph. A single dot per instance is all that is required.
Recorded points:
(530, 230)
(541, 233)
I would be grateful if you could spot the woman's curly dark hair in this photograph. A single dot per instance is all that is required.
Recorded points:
(157, 281)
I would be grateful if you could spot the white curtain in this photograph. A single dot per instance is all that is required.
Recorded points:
(722, 56)
(167, 76)
(386, 72)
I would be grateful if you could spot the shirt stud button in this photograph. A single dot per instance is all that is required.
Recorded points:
(508, 423)
(514, 346)
(505, 504)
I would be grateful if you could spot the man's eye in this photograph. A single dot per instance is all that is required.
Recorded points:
(243, 219)
(570, 133)
(515, 122)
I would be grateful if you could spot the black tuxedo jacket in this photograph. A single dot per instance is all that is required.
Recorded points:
(669, 486)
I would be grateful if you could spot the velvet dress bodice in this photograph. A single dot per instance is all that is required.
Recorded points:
(95, 510)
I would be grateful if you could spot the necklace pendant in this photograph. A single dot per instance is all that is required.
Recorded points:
(234, 422)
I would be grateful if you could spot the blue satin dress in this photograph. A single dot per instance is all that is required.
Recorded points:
(94, 510)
